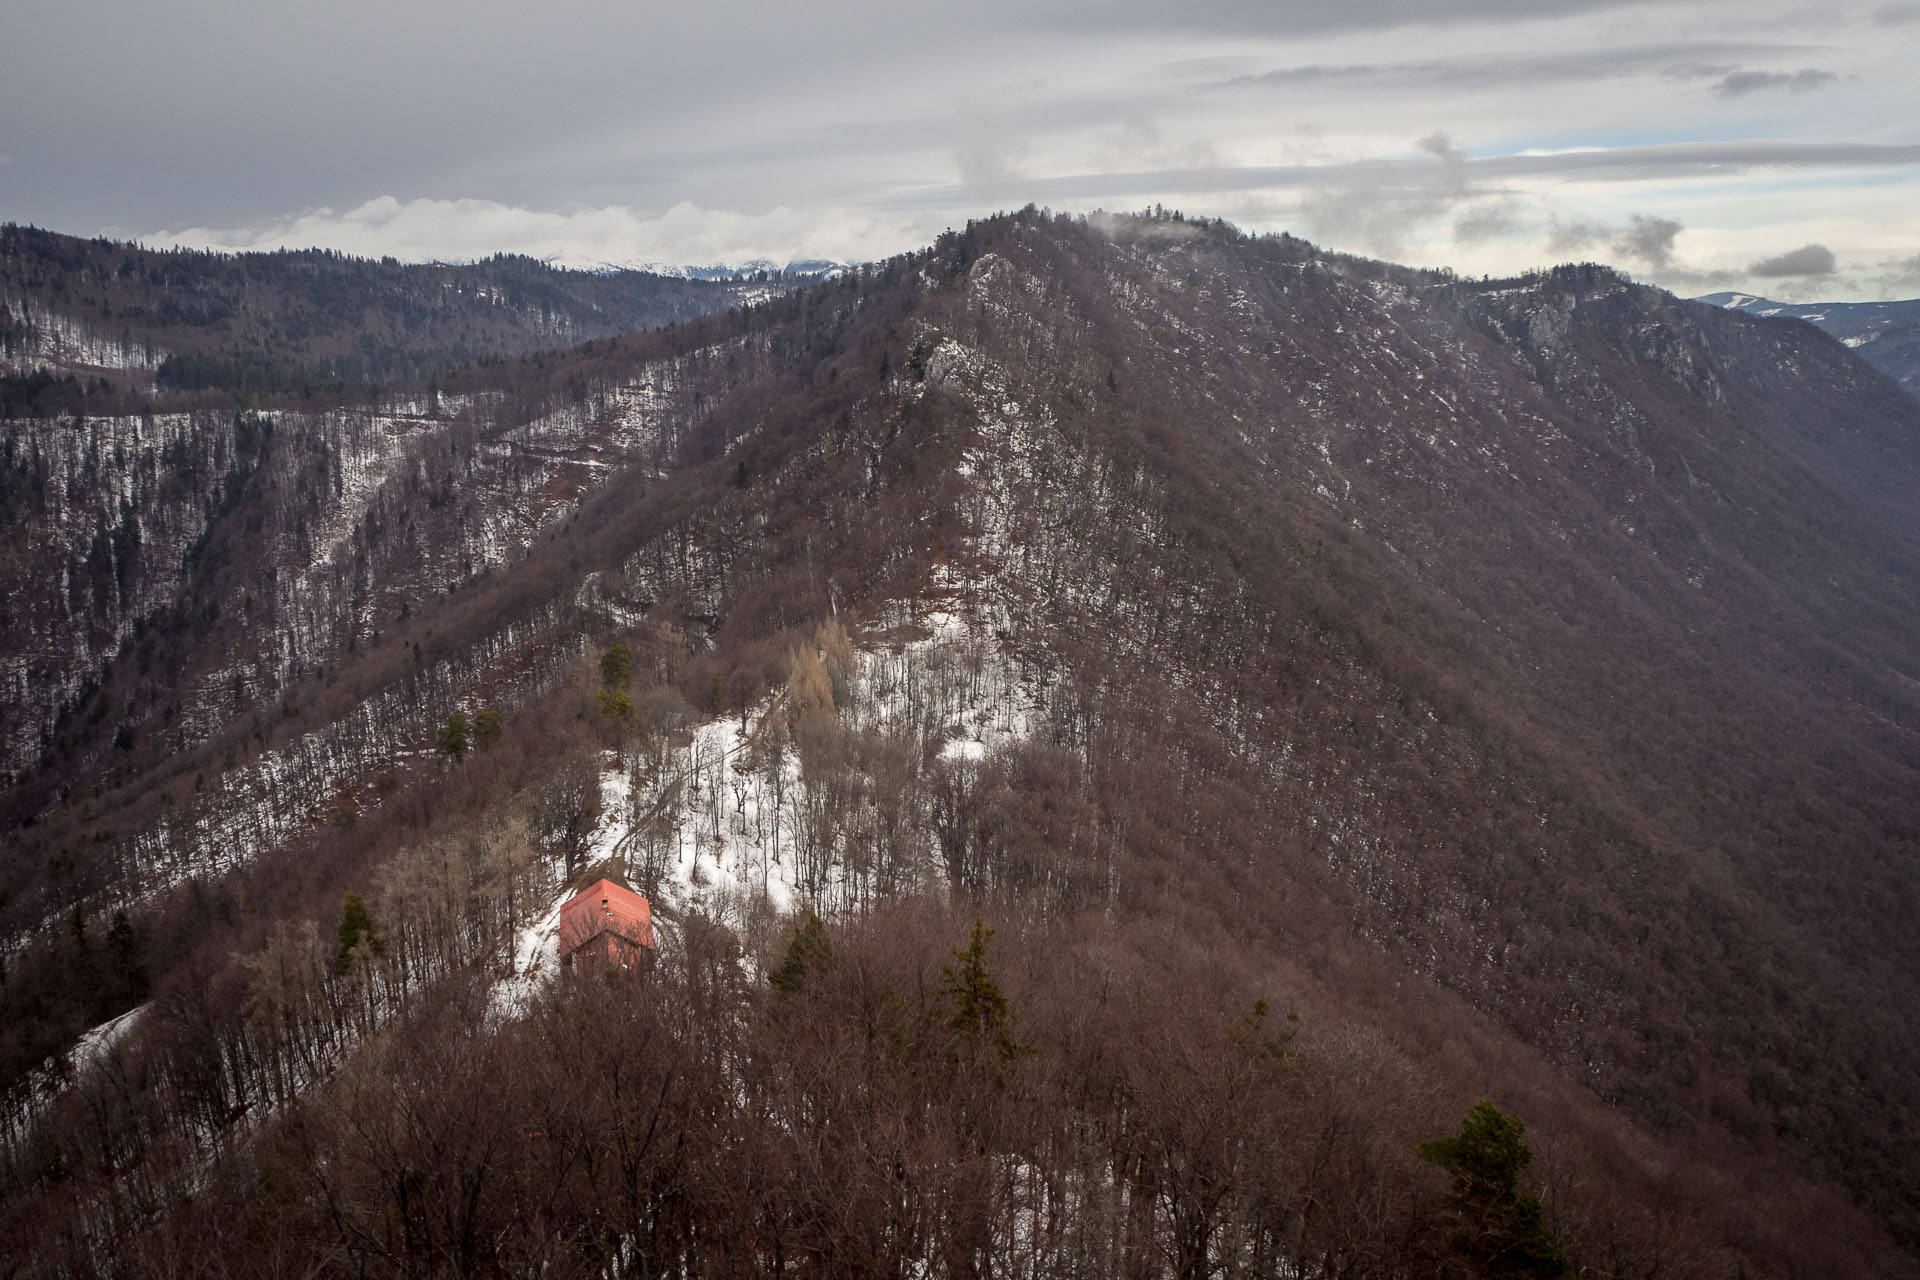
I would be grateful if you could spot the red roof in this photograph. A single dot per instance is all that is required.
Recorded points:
(605, 907)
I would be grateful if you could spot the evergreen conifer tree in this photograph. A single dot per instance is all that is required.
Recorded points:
(809, 955)
(454, 738)
(1502, 1231)
(981, 1012)
(356, 933)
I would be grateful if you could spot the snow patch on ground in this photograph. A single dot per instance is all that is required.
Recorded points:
(28, 1100)
(536, 959)
(93, 1047)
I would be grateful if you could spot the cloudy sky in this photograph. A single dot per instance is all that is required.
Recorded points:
(1768, 145)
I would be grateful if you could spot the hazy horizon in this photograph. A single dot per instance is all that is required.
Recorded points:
(1699, 146)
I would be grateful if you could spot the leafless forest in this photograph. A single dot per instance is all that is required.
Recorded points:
(1129, 729)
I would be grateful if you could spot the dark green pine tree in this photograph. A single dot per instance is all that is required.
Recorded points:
(453, 738)
(1502, 1232)
(981, 1012)
(357, 936)
(809, 955)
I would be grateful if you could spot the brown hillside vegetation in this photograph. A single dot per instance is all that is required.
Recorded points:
(1514, 680)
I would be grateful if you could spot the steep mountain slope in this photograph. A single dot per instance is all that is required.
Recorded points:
(1886, 334)
(169, 573)
(1672, 707)
(86, 325)
(1516, 669)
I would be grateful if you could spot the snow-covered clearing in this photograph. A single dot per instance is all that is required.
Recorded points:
(60, 343)
(733, 818)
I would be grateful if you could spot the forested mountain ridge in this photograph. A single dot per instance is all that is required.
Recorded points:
(93, 326)
(1519, 676)
(1886, 334)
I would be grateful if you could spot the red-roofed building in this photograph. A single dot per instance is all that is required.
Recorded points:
(606, 926)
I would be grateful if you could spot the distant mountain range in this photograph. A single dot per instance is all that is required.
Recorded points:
(1885, 334)
(99, 326)
(798, 271)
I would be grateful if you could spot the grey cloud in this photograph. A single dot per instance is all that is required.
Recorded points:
(1648, 238)
(1139, 142)
(1741, 83)
(1698, 70)
(988, 152)
(1807, 260)
(1486, 221)
(1899, 276)
(1570, 237)
(1698, 280)
(1374, 207)
(1645, 238)
(1441, 146)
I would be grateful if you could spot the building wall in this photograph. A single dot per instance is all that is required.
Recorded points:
(609, 950)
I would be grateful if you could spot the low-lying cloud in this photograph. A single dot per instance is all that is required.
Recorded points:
(1808, 260)
(1376, 207)
(1487, 221)
(1645, 238)
(1648, 238)
(988, 151)
(1140, 143)
(1902, 276)
(465, 230)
